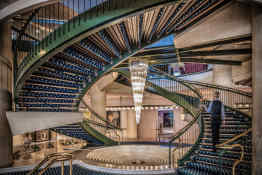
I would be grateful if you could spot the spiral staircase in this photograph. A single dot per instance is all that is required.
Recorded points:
(63, 61)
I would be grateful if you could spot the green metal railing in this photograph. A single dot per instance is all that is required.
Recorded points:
(184, 97)
(231, 97)
(76, 25)
(101, 128)
(49, 160)
(185, 142)
(236, 142)
(182, 144)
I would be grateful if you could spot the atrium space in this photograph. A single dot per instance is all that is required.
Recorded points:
(106, 87)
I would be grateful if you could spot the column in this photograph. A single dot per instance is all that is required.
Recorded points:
(222, 75)
(6, 40)
(6, 55)
(5, 132)
(98, 93)
(132, 126)
(98, 100)
(124, 122)
(257, 86)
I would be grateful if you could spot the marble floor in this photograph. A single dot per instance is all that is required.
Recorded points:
(151, 157)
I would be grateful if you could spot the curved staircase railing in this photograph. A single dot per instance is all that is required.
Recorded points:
(49, 160)
(105, 132)
(67, 61)
(97, 14)
(184, 142)
(230, 97)
(101, 128)
(187, 97)
(230, 144)
(190, 90)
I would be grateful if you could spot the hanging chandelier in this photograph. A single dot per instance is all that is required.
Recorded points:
(138, 69)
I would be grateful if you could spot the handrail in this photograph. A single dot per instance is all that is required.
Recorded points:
(181, 132)
(229, 96)
(98, 124)
(235, 138)
(236, 91)
(237, 162)
(99, 117)
(185, 128)
(226, 145)
(179, 101)
(93, 127)
(176, 79)
(97, 134)
(195, 90)
(50, 160)
(173, 96)
(75, 25)
(215, 86)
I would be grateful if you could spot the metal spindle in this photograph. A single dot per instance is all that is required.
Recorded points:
(59, 20)
(79, 19)
(73, 13)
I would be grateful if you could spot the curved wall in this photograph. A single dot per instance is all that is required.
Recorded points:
(21, 5)
(5, 132)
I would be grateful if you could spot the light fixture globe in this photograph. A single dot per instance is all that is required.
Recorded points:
(138, 70)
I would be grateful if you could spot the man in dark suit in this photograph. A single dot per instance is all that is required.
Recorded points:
(217, 111)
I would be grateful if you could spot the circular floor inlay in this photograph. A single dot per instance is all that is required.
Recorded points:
(130, 156)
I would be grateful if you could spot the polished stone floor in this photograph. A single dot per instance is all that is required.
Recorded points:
(131, 154)
(147, 157)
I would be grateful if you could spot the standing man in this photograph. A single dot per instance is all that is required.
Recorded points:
(217, 111)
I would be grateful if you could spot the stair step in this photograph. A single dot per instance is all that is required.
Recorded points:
(249, 154)
(210, 169)
(220, 161)
(226, 131)
(209, 147)
(232, 156)
(232, 127)
(191, 171)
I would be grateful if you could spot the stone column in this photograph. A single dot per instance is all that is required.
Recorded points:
(6, 40)
(98, 100)
(98, 93)
(5, 132)
(124, 122)
(6, 55)
(132, 126)
(222, 75)
(257, 86)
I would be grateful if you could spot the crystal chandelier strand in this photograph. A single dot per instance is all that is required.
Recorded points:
(138, 69)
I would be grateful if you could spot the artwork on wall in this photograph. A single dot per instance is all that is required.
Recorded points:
(166, 118)
(113, 117)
